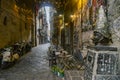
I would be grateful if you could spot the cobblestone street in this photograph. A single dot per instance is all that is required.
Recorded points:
(32, 66)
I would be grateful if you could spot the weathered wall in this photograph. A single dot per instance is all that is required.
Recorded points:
(113, 15)
(114, 22)
(12, 24)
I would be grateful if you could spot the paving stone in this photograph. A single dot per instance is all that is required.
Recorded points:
(32, 66)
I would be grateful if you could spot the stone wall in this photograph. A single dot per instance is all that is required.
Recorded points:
(13, 26)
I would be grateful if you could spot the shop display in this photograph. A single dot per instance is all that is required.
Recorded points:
(102, 64)
(101, 32)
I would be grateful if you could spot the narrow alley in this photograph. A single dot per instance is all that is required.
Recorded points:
(32, 66)
(59, 39)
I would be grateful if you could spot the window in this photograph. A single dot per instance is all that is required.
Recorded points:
(5, 20)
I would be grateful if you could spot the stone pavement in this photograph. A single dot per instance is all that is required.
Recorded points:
(32, 66)
(74, 75)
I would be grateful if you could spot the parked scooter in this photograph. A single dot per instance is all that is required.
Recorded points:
(17, 49)
(9, 58)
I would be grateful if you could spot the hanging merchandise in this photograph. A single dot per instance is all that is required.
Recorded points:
(36, 8)
(89, 3)
(94, 3)
(102, 26)
(100, 2)
(101, 32)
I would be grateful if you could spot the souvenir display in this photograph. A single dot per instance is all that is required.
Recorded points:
(102, 64)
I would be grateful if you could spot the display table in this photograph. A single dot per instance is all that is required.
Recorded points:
(102, 63)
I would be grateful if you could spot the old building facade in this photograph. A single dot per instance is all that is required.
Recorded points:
(14, 24)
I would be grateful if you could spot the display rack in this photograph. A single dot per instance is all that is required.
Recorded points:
(102, 63)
